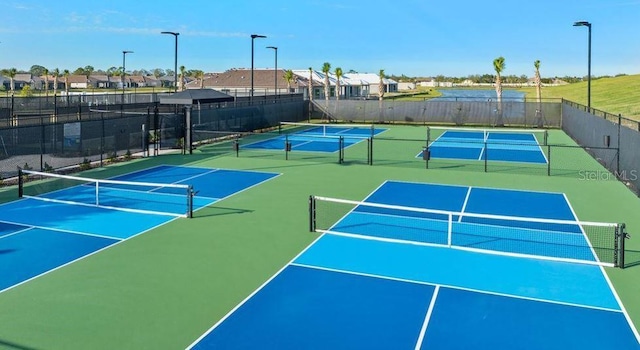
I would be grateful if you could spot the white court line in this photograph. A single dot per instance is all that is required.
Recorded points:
(464, 204)
(427, 317)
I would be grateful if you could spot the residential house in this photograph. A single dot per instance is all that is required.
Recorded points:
(100, 81)
(79, 82)
(136, 81)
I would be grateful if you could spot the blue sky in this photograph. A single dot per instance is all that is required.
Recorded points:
(411, 37)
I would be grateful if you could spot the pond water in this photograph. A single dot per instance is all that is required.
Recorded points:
(478, 95)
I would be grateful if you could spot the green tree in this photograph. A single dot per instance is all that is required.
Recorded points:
(338, 73)
(79, 71)
(158, 72)
(26, 91)
(37, 70)
(288, 77)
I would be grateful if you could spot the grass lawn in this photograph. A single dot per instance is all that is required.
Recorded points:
(619, 95)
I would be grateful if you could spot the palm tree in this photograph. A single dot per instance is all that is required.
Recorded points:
(326, 68)
(498, 65)
(66, 74)
(381, 92)
(11, 73)
(310, 84)
(288, 77)
(381, 85)
(199, 74)
(182, 77)
(538, 81)
(46, 81)
(338, 73)
(56, 74)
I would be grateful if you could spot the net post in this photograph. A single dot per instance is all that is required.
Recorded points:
(546, 137)
(548, 160)
(20, 184)
(236, 146)
(373, 132)
(312, 214)
(426, 156)
(621, 236)
(341, 150)
(486, 154)
(370, 151)
(287, 147)
(190, 194)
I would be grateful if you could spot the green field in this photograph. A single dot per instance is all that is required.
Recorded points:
(619, 95)
(164, 288)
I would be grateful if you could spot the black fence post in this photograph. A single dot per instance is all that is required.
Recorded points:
(312, 214)
(548, 160)
(486, 155)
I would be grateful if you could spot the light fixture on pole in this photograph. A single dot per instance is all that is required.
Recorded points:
(253, 36)
(588, 25)
(175, 60)
(275, 90)
(124, 70)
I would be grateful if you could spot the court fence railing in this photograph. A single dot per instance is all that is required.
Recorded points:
(88, 135)
(595, 243)
(595, 127)
(515, 113)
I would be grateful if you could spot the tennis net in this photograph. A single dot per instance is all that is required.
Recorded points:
(141, 197)
(346, 130)
(560, 240)
(489, 135)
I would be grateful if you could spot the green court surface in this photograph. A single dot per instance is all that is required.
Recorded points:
(163, 289)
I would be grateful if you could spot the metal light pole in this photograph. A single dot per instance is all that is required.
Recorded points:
(588, 25)
(253, 36)
(124, 70)
(275, 90)
(175, 61)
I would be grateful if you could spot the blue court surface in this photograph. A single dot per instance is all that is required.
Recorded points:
(495, 146)
(345, 292)
(320, 139)
(39, 236)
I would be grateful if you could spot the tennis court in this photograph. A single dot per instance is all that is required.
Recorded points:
(495, 144)
(62, 219)
(360, 285)
(316, 137)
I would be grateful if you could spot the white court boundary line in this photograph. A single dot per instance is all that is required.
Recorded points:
(427, 317)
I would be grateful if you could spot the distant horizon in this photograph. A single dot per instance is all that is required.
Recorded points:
(100, 71)
(414, 38)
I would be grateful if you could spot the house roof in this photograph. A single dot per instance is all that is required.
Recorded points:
(241, 78)
(75, 78)
(194, 96)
